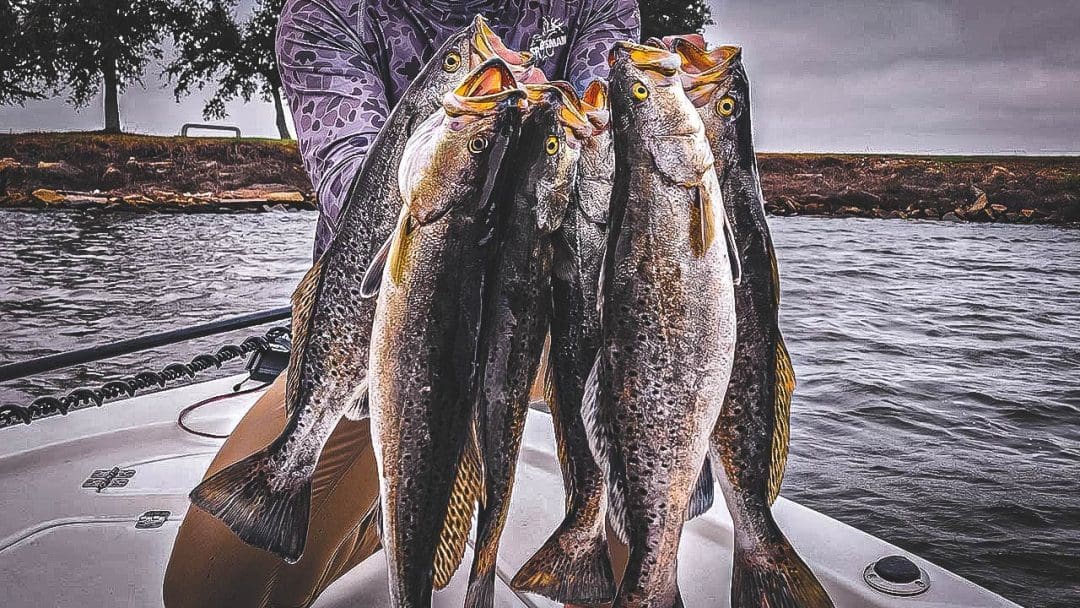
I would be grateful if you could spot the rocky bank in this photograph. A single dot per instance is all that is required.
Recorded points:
(194, 175)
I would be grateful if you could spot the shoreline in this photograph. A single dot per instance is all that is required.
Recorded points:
(153, 174)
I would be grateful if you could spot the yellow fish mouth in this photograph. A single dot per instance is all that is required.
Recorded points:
(703, 72)
(484, 89)
(648, 58)
(571, 115)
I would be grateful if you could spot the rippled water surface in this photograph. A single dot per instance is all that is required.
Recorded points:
(938, 404)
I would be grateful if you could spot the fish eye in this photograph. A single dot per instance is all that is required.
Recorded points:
(551, 145)
(639, 91)
(725, 107)
(478, 144)
(451, 62)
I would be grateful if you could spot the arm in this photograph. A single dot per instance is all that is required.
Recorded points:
(337, 98)
(602, 24)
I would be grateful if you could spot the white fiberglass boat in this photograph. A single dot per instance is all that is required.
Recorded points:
(66, 541)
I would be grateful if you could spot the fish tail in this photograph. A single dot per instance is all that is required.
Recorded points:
(481, 593)
(580, 573)
(772, 574)
(261, 514)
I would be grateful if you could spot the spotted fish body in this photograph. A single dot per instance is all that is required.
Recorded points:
(265, 498)
(425, 354)
(573, 565)
(667, 320)
(516, 311)
(750, 439)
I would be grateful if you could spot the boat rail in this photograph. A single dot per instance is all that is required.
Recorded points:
(275, 338)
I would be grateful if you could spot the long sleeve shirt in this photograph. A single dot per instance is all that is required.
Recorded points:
(345, 63)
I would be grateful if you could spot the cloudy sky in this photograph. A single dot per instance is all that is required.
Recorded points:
(992, 76)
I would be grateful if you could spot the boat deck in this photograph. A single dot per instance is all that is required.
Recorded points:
(63, 544)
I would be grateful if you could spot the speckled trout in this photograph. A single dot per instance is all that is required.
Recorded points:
(667, 319)
(751, 436)
(265, 497)
(573, 565)
(517, 305)
(426, 364)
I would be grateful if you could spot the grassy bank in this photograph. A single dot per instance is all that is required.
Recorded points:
(138, 172)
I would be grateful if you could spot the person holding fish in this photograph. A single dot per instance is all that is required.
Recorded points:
(286, 506)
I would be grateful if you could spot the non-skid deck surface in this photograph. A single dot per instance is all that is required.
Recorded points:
(64, 545)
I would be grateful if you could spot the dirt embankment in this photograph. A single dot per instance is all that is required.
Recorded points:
(146, 173)
(979, 189)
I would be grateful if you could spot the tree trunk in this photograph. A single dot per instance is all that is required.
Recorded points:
(282, 126)
(112, 95)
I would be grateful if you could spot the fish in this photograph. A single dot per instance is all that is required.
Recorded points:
(425, 357)
(517, 306)
(265, 498)
(667, 320)
(751, 437)
(573, 565)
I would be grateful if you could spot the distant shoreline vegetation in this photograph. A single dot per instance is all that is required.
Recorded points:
(143, 173)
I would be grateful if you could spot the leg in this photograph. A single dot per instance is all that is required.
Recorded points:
(211, 567)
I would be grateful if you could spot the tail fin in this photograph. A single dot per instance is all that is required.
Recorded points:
(242, 497)
(772, 574)
(580, 573)
(481, 593)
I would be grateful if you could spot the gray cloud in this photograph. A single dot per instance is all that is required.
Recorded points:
(828, 75)
(919, 76)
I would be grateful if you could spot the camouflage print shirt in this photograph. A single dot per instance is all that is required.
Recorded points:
(345, 63)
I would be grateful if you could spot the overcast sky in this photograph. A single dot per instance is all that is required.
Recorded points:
(998, 76)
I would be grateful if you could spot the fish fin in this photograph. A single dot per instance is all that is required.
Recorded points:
(464, 494)
(303, 309)
(702, 222)
(598, 429)
(399, 250)
(771, 573)
(578, 574)
(371, 282)
(358, 406)
(372, 519)
(785, 386)
(481, 593)
(702, 498)
(242, 496)
(733, 251)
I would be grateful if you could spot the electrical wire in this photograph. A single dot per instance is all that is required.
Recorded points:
(191, 408)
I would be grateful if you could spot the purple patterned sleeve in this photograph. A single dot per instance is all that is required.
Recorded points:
(337, 98)
(604, 23)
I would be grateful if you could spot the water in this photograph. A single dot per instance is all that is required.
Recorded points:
(938, 404)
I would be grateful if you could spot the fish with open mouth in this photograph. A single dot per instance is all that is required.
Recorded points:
(667, 319)
(573, 565)
(751, 436)
(426, 364)
(265, 498)
(516, 311)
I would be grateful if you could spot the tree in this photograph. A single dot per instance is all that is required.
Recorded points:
(661, 18)
(91, 46)
(236, 57)
(21, 75)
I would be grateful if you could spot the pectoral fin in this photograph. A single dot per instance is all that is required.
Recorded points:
(393, 253)
(702, 221)
(733, 251)
(358, 408)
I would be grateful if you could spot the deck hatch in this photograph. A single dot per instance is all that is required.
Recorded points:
(108, 478)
